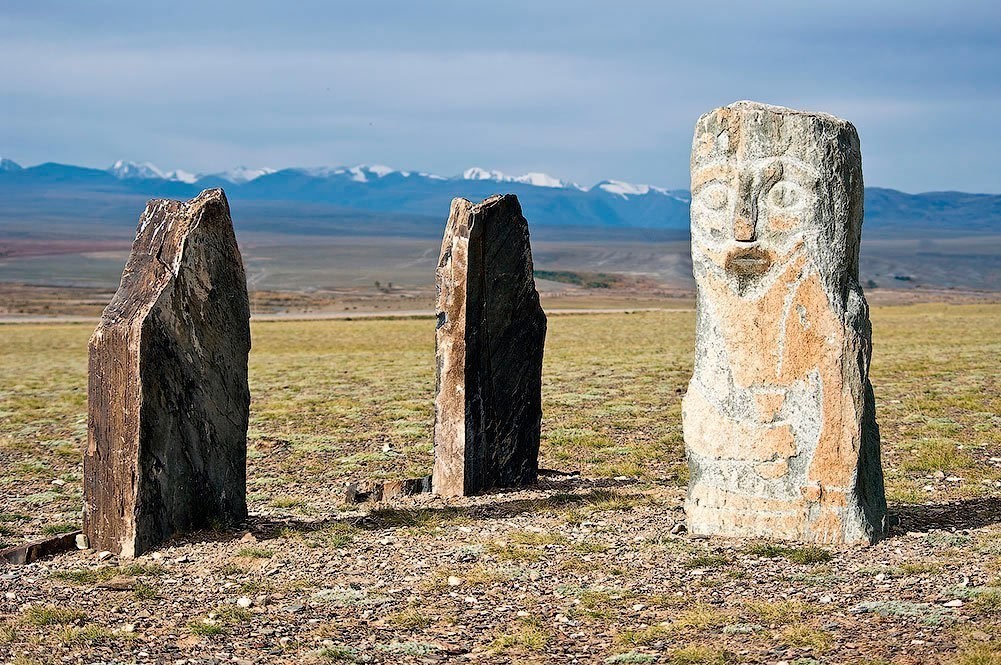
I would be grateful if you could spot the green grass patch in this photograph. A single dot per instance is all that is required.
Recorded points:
(51, 615)
(410, 619)
(707, 562)
(806, 555)
(589, 280)
(58, 529)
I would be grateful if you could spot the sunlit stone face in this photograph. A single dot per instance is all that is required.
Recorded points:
(778, 421)
(757, 203)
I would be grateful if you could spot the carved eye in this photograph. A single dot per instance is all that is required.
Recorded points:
(715, 196)
(785, 194)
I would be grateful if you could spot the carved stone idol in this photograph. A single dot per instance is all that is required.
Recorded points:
(489, 344)
(168, 394)
(779, 419)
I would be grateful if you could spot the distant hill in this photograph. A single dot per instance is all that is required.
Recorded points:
(376, 199)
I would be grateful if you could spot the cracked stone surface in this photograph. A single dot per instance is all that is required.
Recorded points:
(488, 346)
(168, 397)
(779, 417)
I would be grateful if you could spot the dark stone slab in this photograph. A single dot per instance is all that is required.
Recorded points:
(489, 345)
(39, 549)
(168, 393)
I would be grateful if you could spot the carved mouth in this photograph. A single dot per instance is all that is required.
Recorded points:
(751, 261)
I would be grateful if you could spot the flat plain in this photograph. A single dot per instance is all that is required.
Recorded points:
(589, 566)
(287, 262)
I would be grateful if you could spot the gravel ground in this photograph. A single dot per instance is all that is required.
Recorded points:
(589, 568)
(575, 570)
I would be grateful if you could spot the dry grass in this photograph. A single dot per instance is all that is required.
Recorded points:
(329, 396)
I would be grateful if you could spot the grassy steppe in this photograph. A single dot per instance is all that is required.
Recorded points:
(340, 400)
(329, 397)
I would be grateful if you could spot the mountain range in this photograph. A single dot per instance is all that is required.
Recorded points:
(299, 199)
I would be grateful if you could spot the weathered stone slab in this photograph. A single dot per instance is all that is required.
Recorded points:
(168, 393)
(779, 418)
(489, 345)
(39, 549)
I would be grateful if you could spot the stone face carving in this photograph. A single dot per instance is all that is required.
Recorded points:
(489, 345)
(779, 418)
(168, 394)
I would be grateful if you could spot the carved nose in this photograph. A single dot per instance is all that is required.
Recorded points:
(743, 229)
(746, 211)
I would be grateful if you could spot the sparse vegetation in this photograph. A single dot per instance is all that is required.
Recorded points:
(776, 612)
(411, 618)
(51, 615)
(642, 637)
(218, 621)
(805, 636)
(93, 635)
(56, 529)
(702, 655)
(980, 654)
(631, 657)
(144, 591)
(589, 280)
(589, 555)
(90, 576)
(338, 654)
(707, 561)
(530, 635)
(206, 628)
(932, 615)
(806, 555)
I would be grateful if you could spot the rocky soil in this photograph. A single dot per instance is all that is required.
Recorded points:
(575, 570)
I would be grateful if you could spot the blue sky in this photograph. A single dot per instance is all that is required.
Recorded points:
(582, 90)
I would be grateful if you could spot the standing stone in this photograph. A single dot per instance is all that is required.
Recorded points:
(489, 343)
(168, 395)
(779, 418)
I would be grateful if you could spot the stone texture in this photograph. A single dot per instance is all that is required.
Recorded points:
(489, 345)
(40, 549)
(168, 394)
(779, 418)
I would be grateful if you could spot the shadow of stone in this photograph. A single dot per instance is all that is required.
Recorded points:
(561, 493)
(966, 514)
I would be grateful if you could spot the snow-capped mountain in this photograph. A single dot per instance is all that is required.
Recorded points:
(239, 175)
(363, 173)
(313, 199)
(124, 170)
(360, 173)
(180, 175)
(546, 199)
(627, 189)
(534, 179)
